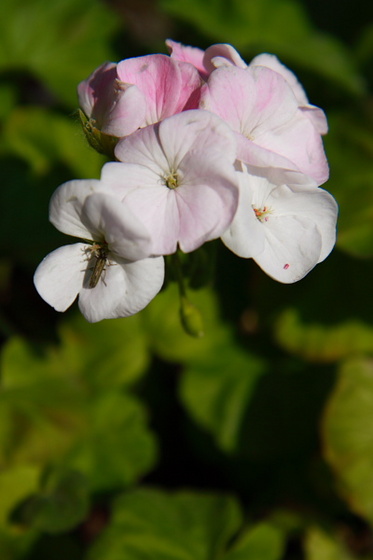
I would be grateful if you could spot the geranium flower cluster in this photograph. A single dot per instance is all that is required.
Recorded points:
(202, 146)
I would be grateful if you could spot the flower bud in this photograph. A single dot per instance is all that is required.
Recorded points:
(191, 318)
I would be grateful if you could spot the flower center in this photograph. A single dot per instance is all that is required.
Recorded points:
(262, 213)
(172, 180)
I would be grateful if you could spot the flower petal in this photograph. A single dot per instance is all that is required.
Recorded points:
(316, 204)
(222, 55)
(271, 61)
(127, 110)
(59, 277)
(93, 92)
(157, 207)
(110, 220)
(292, 248)
(124, 289)
(167, 84)
(185, 53)
(66, 204)
(315, 114)
(245, 236)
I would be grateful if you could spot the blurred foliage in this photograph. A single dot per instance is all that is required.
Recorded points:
(130, 439)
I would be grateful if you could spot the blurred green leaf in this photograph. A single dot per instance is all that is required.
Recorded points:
(318, 342)
(272, 26)
(110, 354)
(15, 485)
(15, 545)
(348, 434)
(118, 447)
(41, 412)
(61, 503)
(43, 138)
(263, 541)
(148, 523)
(50, 410)
(7, 99)
(349, 146)
(60, 42)
(319, 545)
(217, 391)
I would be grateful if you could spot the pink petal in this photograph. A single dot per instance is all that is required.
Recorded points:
(222, 55)
(169, 86)
(185, 53)
(127, 111)
(315, 114)
(93, 93)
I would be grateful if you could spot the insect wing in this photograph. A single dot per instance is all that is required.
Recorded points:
(99, 267)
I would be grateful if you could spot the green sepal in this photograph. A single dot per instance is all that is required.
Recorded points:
(101, 142)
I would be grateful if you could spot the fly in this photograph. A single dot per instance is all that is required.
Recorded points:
(100, 252)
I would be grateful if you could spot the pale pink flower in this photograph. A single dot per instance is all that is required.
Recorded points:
(225, 55)
(112, 106)
(178, 178)
(262, 109)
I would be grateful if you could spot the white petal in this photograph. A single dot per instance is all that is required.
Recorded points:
(157, 207)
(65, 207)
(245, 236)
(196, 130)
(292, 248)
(317, 205)
(111, 220)
(59, 277)
(124, 289)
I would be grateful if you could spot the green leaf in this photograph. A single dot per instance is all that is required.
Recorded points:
(61, 504)
(320, 545)
(61, 42)
(15, 485)
(348, 434)
(216, 392)
(15, 545)
(108, 354)
(118, 448)
(349, 146)
(41, 412)
(44, 138)
(272, 26)
(263, 541)
(50, 410)
(320, 342)
(148, 523)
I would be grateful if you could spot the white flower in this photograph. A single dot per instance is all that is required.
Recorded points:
(109, 269)
(284, 222)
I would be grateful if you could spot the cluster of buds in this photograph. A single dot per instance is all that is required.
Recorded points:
(201, 146)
